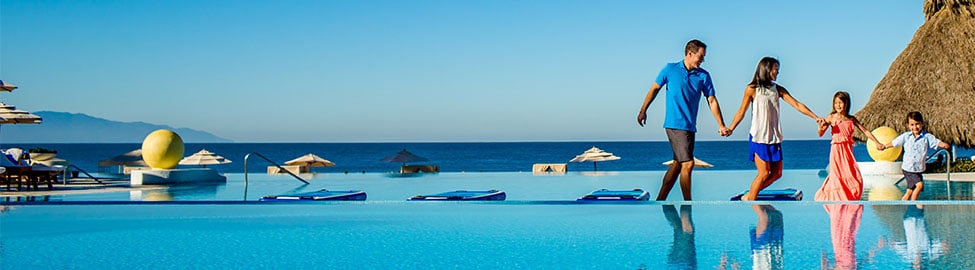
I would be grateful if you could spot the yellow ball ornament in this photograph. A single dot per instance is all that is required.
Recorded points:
(884, 135)
(162, 149)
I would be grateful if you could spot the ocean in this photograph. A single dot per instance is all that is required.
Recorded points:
(468, 156)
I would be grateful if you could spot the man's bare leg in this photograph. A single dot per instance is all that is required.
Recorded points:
(668, 182)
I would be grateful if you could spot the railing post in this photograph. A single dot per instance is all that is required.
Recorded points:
(246, 157)
(948, 172)
(948, 156)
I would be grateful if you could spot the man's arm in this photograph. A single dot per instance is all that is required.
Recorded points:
(641, 118)
(716, 111)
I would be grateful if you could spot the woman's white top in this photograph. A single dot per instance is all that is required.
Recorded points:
(766, 128)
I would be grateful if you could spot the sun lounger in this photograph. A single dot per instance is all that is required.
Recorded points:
(420, 168)
(321, 195)
(788, 194)
(463, 195)
(30, 176)
(548, 168)
(295, 169)
(605, 195)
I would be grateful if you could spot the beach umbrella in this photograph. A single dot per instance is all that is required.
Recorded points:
(11, 115)
(204, 158)
(697, 163)
(131, 158)
(310, 160)
(594, 155)
(933, 75)
(404, 157)
(6, 86)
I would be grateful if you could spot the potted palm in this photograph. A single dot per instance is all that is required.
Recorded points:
(41, 153)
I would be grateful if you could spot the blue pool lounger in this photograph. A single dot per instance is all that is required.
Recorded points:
(462, 195)
(321, 195)
(788, 194)
(616, 195)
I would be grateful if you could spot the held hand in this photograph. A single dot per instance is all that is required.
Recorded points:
(641, 119)
(821, 121)
(881, 147)
(724, 131)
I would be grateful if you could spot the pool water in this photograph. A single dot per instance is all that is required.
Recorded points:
(708, 185)
(404, 235)
(540, 226)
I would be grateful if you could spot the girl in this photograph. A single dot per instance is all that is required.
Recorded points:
(766, 132)
(844, 182)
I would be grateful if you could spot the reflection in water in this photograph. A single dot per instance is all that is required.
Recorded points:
(918, 248)
(766, 238)
(27, 199)
(181, 192)
(844, 221)
(682, 254)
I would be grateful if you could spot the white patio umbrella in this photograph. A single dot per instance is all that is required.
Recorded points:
(697, 163)
(6, 86)
(11, 115)
(204, 158)
(310, 160)
(131, 158)
(595, 155)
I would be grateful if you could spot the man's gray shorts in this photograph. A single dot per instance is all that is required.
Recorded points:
(682, 141)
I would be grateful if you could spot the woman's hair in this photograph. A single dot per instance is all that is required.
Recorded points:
(763, 72)
(916, 116)
(845, 98)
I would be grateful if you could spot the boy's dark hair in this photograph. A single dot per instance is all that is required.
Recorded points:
(916, 116)
(845, 97)
(693, 45)
(763, 73)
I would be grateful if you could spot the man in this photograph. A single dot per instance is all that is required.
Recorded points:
(686, 81)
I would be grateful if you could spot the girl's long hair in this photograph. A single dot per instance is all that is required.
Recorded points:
(763, 72)
(845, 98)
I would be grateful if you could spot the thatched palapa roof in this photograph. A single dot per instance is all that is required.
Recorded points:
(934, 75)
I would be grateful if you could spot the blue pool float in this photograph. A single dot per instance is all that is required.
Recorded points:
(788, 194)
(321, 195)
(616, 195)
(462, 195)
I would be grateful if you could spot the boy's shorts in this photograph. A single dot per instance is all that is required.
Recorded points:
(912, 179)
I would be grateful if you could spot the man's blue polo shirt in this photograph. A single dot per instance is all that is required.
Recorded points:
(684, 90)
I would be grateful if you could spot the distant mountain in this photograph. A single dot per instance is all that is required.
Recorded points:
(62, 127)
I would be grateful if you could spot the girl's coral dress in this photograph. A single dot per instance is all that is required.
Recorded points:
(844, 182)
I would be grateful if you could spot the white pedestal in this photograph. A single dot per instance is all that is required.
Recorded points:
(176, 176)
(880, 168)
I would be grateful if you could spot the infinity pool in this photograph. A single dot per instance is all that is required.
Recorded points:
(539, 227)
(708, 185)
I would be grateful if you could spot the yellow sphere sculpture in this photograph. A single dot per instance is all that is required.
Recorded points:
(884, 135)
(162, 149)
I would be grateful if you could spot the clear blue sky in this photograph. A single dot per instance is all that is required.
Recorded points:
(368, 71)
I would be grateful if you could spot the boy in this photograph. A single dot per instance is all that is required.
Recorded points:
(916, 143)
